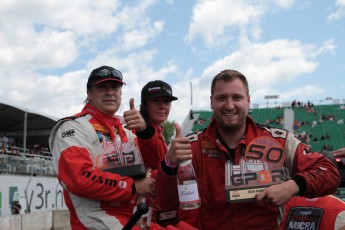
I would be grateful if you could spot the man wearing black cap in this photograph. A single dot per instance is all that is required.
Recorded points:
(96, 158)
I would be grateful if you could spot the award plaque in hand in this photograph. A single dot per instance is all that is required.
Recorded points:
(261, 166)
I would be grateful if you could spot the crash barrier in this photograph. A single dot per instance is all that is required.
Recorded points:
(37, 220)
(58, 220)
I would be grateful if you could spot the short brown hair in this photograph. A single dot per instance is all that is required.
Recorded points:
(230, 75)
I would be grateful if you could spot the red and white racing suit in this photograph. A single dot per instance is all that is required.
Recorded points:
(96, 199)
(153, 149)
(327, 212)
(314, 174)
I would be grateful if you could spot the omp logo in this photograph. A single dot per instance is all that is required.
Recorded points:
(278, 132)
(68, 133)
(306, 213)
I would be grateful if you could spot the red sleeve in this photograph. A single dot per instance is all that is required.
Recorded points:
(152, 150)
(166, 189)
(321, 176)
(78, 176)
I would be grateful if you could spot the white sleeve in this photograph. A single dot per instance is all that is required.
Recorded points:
(340, 221)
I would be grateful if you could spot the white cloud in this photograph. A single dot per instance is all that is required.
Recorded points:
(266, 66)
(339, 12)
(327, 46)
(211, 20)
(83, 17)
(142, 35)
(302, 93)
(42, 93)
(49, 35)
(30, 50)
(138, 29)
(340, 2)
(284, 58)
(215, 21)
(284, 3)
(41, 34)
(44, 34)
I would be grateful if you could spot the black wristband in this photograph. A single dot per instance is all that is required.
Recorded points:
(134, 190)
(148, 132)
(168, 170)
(301, 184)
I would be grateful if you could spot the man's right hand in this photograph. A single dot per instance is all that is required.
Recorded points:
(145, 186)
(180, 148)
(133, 118)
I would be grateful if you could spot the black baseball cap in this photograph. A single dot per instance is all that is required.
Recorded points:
(157, 88)
(104, 73)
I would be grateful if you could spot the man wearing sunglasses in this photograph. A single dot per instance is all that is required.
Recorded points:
(97, 159)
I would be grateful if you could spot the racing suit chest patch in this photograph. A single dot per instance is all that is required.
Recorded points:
(209, 148)
(304, 218)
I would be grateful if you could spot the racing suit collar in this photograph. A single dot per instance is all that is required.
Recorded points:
(112, 123)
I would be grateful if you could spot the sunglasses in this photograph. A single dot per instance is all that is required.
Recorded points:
(106, 72)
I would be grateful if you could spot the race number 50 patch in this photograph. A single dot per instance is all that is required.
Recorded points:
(261, 166)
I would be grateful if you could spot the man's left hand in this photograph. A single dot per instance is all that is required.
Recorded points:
(278, 194)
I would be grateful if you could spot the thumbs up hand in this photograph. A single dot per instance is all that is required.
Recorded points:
(180, 149)
(131, 104)
(133, 118)
(178, 132)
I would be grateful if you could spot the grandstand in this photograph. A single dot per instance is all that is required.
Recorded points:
(26, 168)
(29, 126)
(31, 131)
(323, 124)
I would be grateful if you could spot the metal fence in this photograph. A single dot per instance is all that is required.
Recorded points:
(27, 164)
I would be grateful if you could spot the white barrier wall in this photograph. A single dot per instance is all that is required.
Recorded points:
(38, 220)
(61, 220)
(11, 222)
(34, 193)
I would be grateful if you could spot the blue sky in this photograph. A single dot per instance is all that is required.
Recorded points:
(294, 49)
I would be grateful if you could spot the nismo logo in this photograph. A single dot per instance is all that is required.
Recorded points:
(99, 179)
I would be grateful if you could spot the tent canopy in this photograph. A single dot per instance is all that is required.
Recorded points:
(38, 127)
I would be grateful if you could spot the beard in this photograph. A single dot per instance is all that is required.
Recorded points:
(231, 126)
